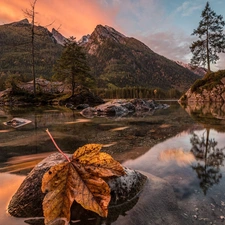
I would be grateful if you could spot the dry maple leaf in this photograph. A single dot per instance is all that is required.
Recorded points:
(80, 180)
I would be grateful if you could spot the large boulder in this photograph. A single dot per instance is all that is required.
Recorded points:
(27, 201)
(211, 88)
(143, 198)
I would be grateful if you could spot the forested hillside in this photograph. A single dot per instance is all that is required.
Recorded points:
(15, 54)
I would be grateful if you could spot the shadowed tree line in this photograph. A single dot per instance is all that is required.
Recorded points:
(137, 92)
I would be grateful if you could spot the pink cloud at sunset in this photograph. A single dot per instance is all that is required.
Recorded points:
(165, 26)
(73, 17)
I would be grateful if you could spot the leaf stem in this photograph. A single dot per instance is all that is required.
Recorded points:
(57, 146)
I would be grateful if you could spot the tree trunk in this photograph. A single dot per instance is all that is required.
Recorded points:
(207, 48)
(207, 51)
(73, 84)
(32, 43)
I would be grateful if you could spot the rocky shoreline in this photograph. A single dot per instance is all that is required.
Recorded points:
(209, 89)
(123, 107)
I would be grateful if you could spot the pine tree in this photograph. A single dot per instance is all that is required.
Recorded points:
(211, 38)
(72, 66)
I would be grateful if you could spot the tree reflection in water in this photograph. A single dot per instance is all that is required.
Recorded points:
(209, 159)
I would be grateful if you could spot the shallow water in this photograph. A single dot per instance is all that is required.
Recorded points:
(184, 148)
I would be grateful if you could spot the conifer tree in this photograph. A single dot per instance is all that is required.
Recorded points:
(211, 38)
(72, 66)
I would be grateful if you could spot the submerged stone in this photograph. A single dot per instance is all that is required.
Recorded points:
(122, 107)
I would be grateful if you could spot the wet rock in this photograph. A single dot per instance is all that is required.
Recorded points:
(27, 201)
(212, 93)
(122, 107)
(142, 197)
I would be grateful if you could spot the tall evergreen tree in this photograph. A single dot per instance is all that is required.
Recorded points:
(72, 66)
(211, 38)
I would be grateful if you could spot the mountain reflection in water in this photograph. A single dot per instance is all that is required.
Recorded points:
(187, 151)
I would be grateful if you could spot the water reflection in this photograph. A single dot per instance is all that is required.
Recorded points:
(80, 216)
(79, 121)
(210, 158)
(178, 159)
(23, 163)
(174, 159)
(7, 187)
(181, 157)
(210, 114)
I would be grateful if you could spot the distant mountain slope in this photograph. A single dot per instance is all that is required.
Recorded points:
(115, 60)
(201, 71)
(15, 54)
(120, 61)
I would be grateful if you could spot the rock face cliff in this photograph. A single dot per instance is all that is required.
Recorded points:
(209, 89)
(60, 39)
(117, 60)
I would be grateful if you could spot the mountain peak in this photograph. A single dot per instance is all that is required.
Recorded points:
(84, 39)
(100, 35)
(60, 39)
(109, 32)
(121, 61)
(21, 22)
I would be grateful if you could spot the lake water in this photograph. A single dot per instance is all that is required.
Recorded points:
(184, 147)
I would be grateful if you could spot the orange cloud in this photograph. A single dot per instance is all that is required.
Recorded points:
(74, 17)
(9, 12)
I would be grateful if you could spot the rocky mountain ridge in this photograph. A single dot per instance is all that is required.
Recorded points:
(119, 61)
(115, 60)
(59, 38)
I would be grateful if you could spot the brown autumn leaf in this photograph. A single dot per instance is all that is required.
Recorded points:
(79, 180)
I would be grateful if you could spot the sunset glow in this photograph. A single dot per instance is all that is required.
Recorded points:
(71, 17)
(165, 26)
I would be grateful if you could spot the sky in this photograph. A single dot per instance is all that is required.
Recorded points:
(165, 26)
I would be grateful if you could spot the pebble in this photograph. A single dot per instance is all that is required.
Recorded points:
(195, 217)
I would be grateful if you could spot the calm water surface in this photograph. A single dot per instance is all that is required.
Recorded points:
(184, 147)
